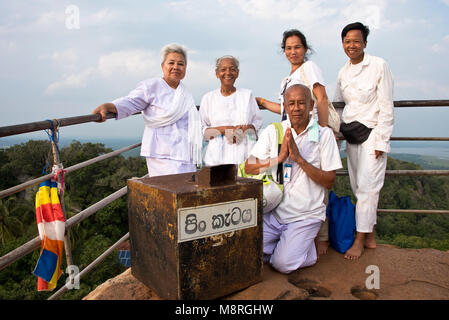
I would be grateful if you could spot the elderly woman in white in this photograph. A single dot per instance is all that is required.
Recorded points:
(172, 137)
(230, 117)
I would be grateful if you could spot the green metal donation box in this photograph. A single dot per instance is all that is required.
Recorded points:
(196, 235)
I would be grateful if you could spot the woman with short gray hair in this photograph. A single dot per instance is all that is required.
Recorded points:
(230, 117)
(172, 138)
(173, 48)
(232, 58)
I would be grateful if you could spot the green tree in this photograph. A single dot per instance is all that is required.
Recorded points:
(29, 159)
(10, 226)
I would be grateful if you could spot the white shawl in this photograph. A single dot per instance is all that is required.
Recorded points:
(182, 102)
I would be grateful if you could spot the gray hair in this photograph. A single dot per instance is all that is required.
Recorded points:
(173, 47)
(234, 60)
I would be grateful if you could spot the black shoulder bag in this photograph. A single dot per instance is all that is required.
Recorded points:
(355, 132)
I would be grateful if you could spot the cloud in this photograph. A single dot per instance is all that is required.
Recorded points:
(407, 23)
(199, 76)
(67, 56)
(306, 11)
(423, 87)
(442, 46)
(65, 16)
(50, 17)
(101, 17)
(136, 64)
(127, 63)
(78, 80)
(369, 12)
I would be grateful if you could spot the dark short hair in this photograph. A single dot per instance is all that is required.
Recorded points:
(299, 34)
(356, 26)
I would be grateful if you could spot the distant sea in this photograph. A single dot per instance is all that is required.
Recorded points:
(113, 143)
(430, 154)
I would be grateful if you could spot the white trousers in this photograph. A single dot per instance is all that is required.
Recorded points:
(162, 167)
(366, 174)
(289, 246)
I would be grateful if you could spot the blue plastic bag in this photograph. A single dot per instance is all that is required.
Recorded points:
(341, 214)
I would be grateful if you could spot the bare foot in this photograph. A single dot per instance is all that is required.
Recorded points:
(322, 247)
(356, 250)
(370, 240)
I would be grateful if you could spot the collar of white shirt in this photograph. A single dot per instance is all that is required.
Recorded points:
(294, 134)
(365, 62)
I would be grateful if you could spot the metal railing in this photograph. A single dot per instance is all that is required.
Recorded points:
(34, 244)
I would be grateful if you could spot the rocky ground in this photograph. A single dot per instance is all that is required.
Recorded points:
(403, 274)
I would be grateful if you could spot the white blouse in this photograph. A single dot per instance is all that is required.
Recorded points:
(240, 108)
(151, 97)
(367, 90)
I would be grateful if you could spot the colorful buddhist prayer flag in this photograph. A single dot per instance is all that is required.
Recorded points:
(51, 225)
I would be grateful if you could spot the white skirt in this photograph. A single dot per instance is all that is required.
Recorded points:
(162, 167)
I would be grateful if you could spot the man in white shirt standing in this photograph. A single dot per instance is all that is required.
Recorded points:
(365, 84)
(311, 153)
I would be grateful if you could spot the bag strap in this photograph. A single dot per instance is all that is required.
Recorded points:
(284, 113)
(304, 80)
(280, 138)
(279, 131)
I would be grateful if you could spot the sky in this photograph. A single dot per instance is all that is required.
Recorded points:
(64, 58)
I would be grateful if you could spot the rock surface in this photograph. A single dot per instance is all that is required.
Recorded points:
(122, 287)
(404, 274)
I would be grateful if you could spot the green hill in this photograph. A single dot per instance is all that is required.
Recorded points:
(427, 162)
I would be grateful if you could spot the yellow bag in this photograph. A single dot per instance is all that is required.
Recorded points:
(273, 191)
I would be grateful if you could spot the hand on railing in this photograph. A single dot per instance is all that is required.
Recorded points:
(104, 109)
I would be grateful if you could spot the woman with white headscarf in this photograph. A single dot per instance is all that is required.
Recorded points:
(172, 138)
